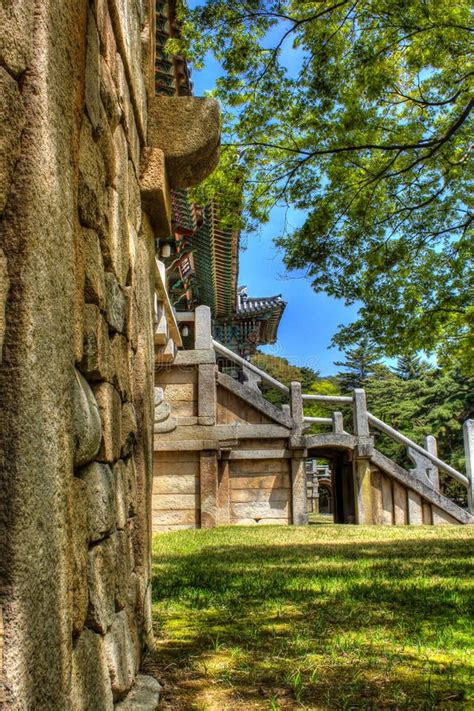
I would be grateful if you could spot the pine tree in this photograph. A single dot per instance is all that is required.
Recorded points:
(359, 365)
(411, 367)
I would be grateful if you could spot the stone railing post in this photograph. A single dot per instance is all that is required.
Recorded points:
(207, 393)
(424, 469)
(337, 423)
(251, 379)
(296, 403)
(361, 422)
(468, 430)
(298, 473)
(202, 328)
(431, 446)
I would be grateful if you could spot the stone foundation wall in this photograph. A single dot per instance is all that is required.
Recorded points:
(77, 265)
(260, 492)
(176, 500)
(206, 471)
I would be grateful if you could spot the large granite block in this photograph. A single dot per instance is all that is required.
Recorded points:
(91, 687)
(12, 120)
(96, 361)
(102, 579)
(100, 492)
(122, 655)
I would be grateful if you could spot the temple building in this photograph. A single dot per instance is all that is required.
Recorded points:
(172, 75)
(202, 253)
(202, 261)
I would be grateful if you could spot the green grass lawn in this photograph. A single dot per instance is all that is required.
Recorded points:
(318, 617)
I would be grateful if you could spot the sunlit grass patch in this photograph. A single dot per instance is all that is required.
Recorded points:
(316, 617)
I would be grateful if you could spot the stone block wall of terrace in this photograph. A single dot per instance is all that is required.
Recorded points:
(225, 455)
(88, 157)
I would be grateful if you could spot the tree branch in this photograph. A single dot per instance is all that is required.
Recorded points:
(425, 143)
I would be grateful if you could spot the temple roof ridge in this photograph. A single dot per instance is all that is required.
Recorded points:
(252, 304)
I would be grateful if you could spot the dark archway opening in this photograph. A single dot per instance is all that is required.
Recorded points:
(325, 498)
(330, 486)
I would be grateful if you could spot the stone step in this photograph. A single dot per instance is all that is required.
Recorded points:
(162, 412)
(167, 426)
(166, 354)
(158, 396)
(143, 696)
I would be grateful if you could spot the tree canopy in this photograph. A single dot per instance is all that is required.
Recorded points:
(359, 114)
(411, 367)
(281, 369)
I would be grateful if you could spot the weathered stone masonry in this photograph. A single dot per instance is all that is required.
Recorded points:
(83, 199)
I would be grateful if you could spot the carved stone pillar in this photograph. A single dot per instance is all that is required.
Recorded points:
(362, 491)
(208, 470)
(298, 488)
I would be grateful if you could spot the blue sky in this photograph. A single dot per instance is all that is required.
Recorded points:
(310, 319)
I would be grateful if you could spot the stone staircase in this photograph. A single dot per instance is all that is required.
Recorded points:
(225, 455)
(385, 492)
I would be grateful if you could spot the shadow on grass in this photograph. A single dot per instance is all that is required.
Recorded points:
(318, 625)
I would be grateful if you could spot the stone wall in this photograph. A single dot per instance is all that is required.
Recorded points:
(83, 198)
(221, 450)
(176, 502)
(260, 491)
